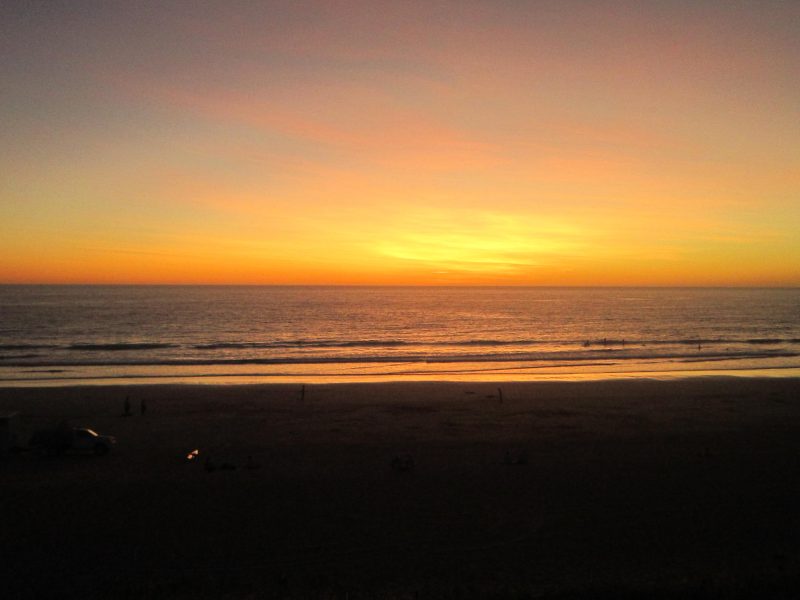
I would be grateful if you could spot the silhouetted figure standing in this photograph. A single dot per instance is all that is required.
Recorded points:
(127, 407)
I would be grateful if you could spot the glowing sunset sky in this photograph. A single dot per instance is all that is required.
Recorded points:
(497, 142)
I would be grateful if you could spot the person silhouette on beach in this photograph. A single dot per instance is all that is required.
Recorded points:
(127, 407)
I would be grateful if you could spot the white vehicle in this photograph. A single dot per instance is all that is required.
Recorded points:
(89, 440)
(64, 439)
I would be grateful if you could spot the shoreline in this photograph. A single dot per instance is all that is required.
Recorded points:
(498, 374)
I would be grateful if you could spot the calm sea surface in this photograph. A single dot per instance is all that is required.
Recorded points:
(52, 334)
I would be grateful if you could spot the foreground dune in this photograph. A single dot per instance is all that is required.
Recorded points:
(554, 490)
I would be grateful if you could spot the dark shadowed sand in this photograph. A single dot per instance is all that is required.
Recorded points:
(627, 489)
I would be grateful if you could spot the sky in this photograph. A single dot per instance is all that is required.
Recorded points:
(496, 142)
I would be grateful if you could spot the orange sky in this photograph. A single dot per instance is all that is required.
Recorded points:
(513, 143)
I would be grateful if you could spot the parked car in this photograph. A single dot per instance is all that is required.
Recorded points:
(61, 440)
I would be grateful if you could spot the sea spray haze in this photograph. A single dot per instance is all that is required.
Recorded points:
(87, 332)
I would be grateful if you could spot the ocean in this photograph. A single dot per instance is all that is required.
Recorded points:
(57, 335)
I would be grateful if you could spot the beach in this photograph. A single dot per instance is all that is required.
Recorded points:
(410, 490)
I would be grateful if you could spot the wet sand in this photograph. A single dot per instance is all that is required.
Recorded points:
(632, 488)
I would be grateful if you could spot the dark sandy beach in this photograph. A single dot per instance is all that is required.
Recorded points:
(686, 488)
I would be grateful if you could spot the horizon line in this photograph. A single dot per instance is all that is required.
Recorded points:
(384, 285)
